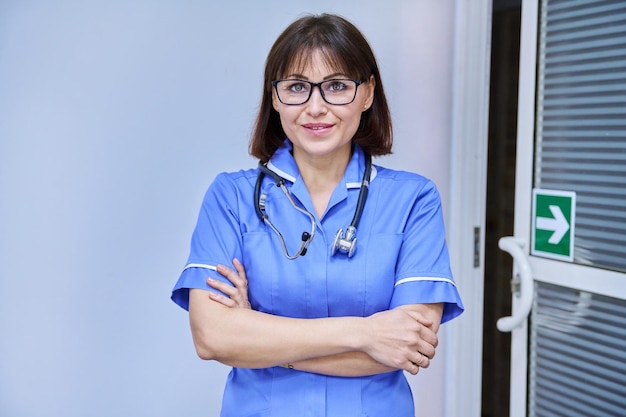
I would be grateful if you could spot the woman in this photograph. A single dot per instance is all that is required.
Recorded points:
(333, 321)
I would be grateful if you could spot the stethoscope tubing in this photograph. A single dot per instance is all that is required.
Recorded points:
(365, 185)
(307, 237)
(344, 242)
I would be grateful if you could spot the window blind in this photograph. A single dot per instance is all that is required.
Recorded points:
(581, 121)
(577, 354)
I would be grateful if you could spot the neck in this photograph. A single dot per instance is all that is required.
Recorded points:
(322, 173)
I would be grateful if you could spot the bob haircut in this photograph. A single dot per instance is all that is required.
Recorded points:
(346, 50)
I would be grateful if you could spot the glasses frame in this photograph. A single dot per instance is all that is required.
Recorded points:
(319, 86)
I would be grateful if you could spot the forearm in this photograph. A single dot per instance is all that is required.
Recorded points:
(250, 339)
(241, 337)
(349, 364)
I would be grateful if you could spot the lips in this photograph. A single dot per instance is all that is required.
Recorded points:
(317, 127)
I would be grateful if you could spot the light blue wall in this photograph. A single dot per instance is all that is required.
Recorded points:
(114, 118)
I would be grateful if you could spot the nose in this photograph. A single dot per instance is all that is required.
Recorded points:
(316, 104)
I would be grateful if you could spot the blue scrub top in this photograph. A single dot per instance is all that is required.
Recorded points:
(401, 258)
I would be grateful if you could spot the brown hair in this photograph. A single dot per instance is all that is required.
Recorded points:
(345, 49)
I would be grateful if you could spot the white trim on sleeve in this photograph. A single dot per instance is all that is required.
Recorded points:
(413, 279)
(205, 266)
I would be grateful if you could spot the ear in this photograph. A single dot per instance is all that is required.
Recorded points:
(275, 101)
(369, 88)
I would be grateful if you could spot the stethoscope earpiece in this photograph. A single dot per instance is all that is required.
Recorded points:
(306, 240)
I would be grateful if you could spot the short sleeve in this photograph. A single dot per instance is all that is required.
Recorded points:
(216, 240)
(423, 273)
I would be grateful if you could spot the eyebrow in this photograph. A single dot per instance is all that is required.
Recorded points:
(328, 77)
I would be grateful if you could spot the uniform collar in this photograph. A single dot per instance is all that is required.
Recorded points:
(284, 164)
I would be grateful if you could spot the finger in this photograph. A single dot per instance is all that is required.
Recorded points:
(424, 361)
(221, 286)
(420, 360)
(242, 279)
(227, 272)
(429, 337)
(420, 318)
(235, 277)
(412, 368)
(222, 300)
(241, 284)
(237, 288)
(426, 349)
(426, 322)
(240, 269)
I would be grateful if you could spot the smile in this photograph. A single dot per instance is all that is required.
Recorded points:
(317, 126)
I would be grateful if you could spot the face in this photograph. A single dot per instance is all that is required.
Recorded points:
(318, 129)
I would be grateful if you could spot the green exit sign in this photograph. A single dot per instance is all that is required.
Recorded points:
(553, 219)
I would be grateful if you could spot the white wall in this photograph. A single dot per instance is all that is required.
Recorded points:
(114, 118)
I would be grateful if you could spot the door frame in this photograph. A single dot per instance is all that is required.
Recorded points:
(462, 347)
(523, 187)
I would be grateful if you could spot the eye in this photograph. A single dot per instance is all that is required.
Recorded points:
(297, 87)
(336, 86)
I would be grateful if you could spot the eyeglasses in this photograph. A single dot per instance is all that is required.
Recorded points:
(336, 91)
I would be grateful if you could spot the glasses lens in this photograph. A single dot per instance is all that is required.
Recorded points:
(333, 91)
(339, 91)
(293, 91)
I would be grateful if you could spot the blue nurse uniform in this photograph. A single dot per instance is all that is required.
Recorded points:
(401, 258)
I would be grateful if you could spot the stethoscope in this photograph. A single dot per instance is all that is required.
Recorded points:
(343, 242)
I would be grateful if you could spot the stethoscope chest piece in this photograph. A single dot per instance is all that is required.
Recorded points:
(345, 243)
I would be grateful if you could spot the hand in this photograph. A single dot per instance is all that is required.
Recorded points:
(237, 295)
(401, 339)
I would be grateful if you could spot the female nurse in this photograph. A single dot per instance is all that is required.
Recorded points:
(327, 333)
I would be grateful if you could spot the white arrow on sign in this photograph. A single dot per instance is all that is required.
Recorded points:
(558, 224)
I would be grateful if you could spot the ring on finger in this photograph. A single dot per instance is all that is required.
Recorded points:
(421, 359)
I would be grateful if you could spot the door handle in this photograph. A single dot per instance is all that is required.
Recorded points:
(514, 246)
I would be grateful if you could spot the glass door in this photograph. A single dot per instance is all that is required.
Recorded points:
(568, 321)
